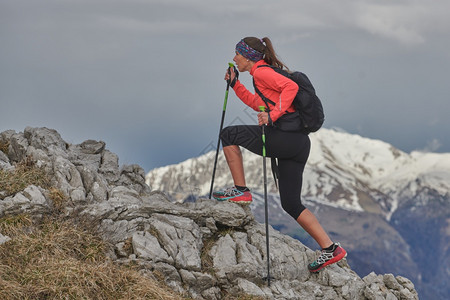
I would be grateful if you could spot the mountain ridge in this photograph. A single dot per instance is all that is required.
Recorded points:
(377, 166)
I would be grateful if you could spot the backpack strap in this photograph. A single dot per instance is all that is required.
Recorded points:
(264, 98)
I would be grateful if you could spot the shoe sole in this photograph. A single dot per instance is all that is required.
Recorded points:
(231, 201)
(241, 202)
(220, 200)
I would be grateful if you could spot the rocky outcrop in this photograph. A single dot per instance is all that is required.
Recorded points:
(205, 249)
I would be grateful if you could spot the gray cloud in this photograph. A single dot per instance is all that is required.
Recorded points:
(147, 76)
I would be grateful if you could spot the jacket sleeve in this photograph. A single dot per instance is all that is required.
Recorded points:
(277, 88)
(250, 99)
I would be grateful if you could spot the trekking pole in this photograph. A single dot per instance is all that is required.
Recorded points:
(230, 65)
(266, 208)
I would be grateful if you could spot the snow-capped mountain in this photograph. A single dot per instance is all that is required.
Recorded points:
(390, 208)
(344, 170)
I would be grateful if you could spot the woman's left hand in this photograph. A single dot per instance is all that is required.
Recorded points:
(263, 118)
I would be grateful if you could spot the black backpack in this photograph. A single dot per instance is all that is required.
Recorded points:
(306, 101)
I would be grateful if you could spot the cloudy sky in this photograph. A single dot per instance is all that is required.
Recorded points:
(146, 76)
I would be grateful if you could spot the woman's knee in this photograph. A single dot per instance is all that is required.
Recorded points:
(293, 209)
(225, 136)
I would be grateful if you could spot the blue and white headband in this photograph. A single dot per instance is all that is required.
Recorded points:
(248, 52)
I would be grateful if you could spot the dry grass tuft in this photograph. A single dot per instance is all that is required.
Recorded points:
(206, 259)
(58, 198)
(4, 146)
(10, 225)
(25, 173)
(59, 260)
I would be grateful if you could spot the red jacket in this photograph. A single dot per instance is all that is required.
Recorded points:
(272, 85)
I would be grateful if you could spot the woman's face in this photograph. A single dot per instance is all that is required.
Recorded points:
(242, 63)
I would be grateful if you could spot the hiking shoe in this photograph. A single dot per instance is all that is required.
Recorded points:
(327, 257)
(233, 195)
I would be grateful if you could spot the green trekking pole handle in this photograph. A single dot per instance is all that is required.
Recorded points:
(230, 65)
(266, 207)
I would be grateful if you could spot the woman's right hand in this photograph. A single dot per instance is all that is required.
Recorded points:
(231, 76)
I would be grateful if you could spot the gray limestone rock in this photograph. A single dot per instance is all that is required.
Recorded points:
(205, 249)
(4, 238)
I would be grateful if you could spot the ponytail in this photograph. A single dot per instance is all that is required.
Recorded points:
(270, 57)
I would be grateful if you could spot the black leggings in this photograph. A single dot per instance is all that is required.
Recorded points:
(290, 148)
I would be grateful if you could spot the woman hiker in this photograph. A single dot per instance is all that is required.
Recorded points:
(284, 140)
